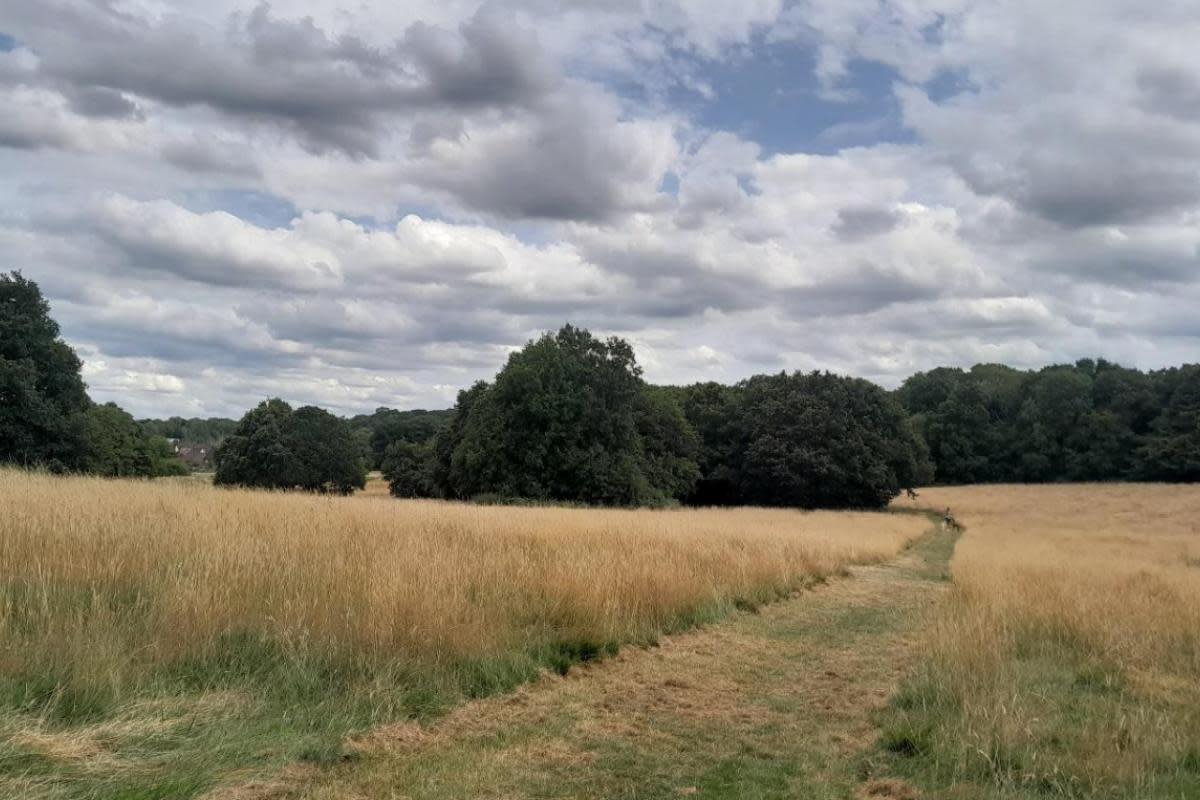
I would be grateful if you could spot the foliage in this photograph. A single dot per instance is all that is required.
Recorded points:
(406, 468)
(46, 416)
(568, 418)
(41, 390)
(1172, 449)
(1090, 421)
(669, 446)
(814, 441)
(275, 447)
(386, 426)
(325, 456)
(113, 444)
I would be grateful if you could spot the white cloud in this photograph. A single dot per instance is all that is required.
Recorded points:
(464, 175)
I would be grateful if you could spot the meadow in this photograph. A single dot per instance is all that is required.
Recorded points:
(159, 637)
(1066, 660)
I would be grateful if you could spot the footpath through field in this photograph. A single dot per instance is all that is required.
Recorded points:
(778, 703)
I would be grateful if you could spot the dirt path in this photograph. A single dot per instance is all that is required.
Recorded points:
(773, 704)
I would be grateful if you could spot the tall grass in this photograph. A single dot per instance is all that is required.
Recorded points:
(109, 589)
(1067, 660)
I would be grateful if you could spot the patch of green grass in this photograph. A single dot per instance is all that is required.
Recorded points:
(1062, 718)
(934, 550)
(907, 736)
(748, 775)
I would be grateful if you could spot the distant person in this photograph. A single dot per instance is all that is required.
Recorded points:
(950, 522)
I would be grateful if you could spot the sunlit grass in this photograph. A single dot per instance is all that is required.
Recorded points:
(1067, 660)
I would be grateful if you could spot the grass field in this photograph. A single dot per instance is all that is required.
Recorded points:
(159, 638)
(168, 639)
(1066, 661)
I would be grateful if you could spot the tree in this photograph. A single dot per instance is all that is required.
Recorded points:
(959, 435)
(568, 418)
(386, 426)
(114, 445)
(669, 447)
(448, 482)
(41, 390)
(325, 455)
(256, 455)
(712, 409)
(825, 441)
(164, 461)
(406, 467)
(275, 447)
(1172, 451)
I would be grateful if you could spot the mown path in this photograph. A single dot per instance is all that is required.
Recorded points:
(774, 704)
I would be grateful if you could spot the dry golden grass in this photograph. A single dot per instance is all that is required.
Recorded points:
(1068, 657)
(105, 582)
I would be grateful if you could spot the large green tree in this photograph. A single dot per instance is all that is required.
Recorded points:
(46, 417)
(407, 469)
(325, 455)
(256, 455)
(1091, 420)
(41, 391)
(568, 418)
(275, 447)
(825, 441)
(815, 440)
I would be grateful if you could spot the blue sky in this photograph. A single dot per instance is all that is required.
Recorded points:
(772, 96)
(364, 204)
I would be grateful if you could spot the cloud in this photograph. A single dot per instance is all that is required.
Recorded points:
(575, 158)
(1081, 113)
(216, 248)
(329, 89)
(864, 221)
(372, 205)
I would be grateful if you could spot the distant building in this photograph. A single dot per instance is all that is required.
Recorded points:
(196, 456)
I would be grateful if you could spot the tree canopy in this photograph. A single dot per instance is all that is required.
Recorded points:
(274, 447)
(568, 418)
(41, 391)
(387, 426)
(46, 417)
(1088, 421)
(808, 440)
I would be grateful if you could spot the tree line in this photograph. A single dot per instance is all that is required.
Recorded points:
(47, 419)
(1088, 421)
(569, 418)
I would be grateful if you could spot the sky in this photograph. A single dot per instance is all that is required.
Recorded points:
(360, 203)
